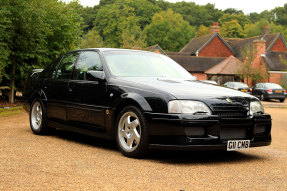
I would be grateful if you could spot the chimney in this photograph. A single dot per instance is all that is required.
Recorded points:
(259, 49)
(215, 28)
(265, 30)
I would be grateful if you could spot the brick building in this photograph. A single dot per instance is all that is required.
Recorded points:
(212, 57)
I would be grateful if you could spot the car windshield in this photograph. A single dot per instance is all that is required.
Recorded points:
(240, 85)
(144, 64)
(273, 86)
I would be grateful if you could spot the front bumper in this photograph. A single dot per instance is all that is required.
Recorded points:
(189, 132)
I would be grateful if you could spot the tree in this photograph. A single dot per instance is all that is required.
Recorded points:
(89, 16)
(202, 30)
(253, 17)
(169, 30)
(5, 24)
(240, 18)
(256, 28)
(232, 29)
(40, 31)
(280, 14)
(113, 19)
(278, 28)
(92, 40)
(233, 11)
(162, 4)
(249, 71)
(143, 10)
(195, 14)
(132, 35)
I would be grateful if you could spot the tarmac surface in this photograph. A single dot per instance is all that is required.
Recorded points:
(68, 161)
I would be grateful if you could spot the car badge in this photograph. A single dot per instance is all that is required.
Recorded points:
(228, 100)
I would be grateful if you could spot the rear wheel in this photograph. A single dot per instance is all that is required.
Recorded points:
(38, 119)
(282, 100)
(131, 132)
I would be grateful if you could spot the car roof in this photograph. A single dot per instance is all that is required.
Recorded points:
(236, 82)
(115, 49)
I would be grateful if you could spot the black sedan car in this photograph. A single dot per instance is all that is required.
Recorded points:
(144, 101)
(266, 91)
(238, 86)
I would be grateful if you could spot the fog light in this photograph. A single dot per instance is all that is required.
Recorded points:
(259, 129)
(194, 131)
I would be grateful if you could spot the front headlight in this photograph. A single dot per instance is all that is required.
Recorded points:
(191, 107)
(256, 108)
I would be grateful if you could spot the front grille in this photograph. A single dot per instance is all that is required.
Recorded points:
(230, 114)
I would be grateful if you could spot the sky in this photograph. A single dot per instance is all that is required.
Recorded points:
(247, 6)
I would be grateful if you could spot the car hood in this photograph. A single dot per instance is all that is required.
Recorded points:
(193, 90)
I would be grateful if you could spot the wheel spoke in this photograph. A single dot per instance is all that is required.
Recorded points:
(130, 142)
(127, 121)
(136, 136)
(123, 133)
(134, 123)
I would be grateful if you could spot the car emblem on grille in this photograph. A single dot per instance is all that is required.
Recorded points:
(228, 100)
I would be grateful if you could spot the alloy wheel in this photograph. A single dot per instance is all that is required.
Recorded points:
(36, 116)
(129, 131)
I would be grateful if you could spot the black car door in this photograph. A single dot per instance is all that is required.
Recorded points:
(56, 87)
(87, 95)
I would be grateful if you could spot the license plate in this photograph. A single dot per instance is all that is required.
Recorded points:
(278, 91)
(244, 90)
(235, 145)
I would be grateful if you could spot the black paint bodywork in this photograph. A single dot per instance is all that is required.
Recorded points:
(91, 107)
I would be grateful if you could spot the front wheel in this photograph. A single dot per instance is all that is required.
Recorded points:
(262, 97)
(131, 132)
(38, 119)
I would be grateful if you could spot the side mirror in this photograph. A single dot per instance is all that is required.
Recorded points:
(93, 75)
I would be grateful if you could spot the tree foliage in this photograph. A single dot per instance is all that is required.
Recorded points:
(202, 30)
(256, 28)
(280, 14)
(240, 18)
(169, 30)
(115, 22)
(249, 72)
(195, 14)
(5, 25)
(232, 29)
(233, 11)
(92, 40)
(36, 31)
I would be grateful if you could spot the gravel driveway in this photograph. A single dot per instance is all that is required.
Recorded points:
(67, 161)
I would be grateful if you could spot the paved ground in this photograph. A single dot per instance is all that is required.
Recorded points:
(275, 103)
(66, 161)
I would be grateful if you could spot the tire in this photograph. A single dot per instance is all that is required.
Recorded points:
(38, 118)
(282, 100)
(131, 133)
